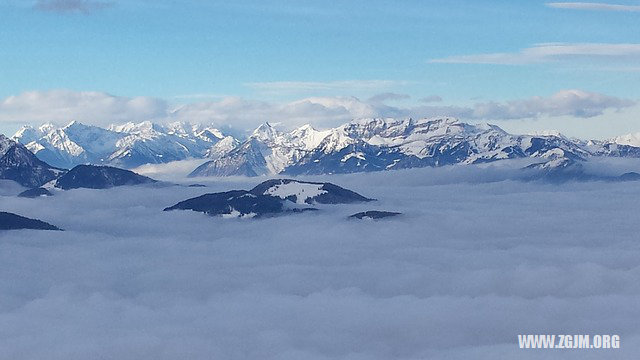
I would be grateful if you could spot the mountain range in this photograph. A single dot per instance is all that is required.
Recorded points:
(358, 146)
(19, 164)
(126, 146)
(386, 144)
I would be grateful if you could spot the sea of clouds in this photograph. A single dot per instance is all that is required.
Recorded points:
(473, 262)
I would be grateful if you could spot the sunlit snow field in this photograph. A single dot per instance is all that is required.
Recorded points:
(469, 266)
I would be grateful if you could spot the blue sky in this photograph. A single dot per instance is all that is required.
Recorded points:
(273, 53)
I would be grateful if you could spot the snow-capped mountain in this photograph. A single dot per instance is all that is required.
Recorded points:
(383, 144)
(128, 145)
(357, 146)
(622, 146)
(222, 147)
(17, 163)
(266, 151)
(628, 139)
(270, 198)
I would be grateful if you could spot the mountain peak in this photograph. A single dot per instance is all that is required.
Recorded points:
(264, 132)
(264, 126)
(547, 133)
(46, 127)
(181, 127)
(307, 137)
(27, 134)
(213, 131)
(632, 139)
(439, 120)
(24, 128)
(76, 126)
(5, 144)
(306, 127)
(133, 128)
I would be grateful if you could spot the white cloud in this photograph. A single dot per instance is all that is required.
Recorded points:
(331, 111)
(90, 107)
(171, 171)
(237, 114)
(542, 53)
(593, 6)
(62, 106)
(576, 103)
(244, 114)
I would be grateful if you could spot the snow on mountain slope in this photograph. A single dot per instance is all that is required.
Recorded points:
(222, 147)
(304, 192)
(361, 145)
(127, 145)
(92, 139)
(628, 139)
(377, 144)
(299, 192)
(382, 144)
(266, 151)
(306, 137)
(19, 164)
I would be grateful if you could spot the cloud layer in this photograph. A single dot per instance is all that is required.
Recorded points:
(593, 6)
(569, 102)
(62, 106)
(91, 107)
(128, 281)
(542, 53)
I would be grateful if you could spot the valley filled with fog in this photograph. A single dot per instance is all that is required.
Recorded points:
(474, 261)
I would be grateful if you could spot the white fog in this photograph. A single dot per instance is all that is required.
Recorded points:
(468, 266)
